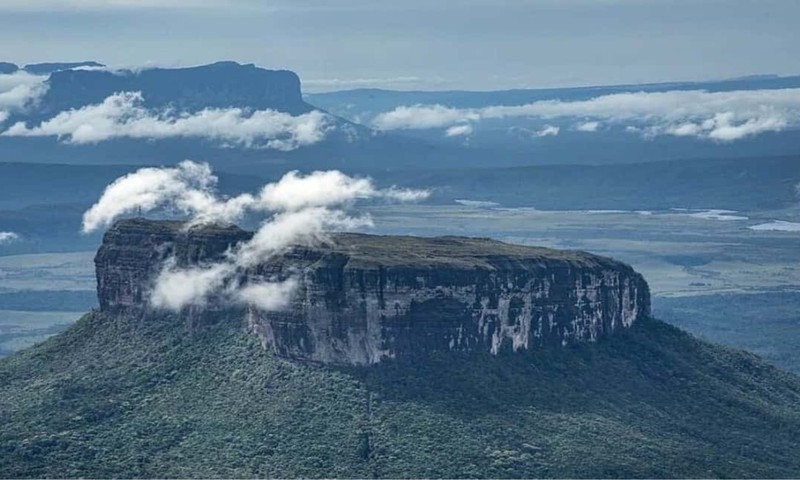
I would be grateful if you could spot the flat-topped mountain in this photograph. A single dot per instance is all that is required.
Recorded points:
(51, 67)
(132, 391)
(365, 298)
(218, 85)
(46, 68)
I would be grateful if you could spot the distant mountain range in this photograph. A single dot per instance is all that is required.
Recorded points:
(587, 125)
(379, 100)
(351, 138)
(46, 68)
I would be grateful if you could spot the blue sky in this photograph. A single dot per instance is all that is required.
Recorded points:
(432, 44)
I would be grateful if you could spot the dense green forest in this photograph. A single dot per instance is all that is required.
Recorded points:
(145, 397)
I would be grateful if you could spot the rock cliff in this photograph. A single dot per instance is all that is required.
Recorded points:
(365, 298)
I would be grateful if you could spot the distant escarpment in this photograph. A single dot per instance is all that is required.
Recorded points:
(51, 67)
(365, 298)
(219, 85)
(7, 68)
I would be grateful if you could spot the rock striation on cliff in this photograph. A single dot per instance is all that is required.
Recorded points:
(365, 298)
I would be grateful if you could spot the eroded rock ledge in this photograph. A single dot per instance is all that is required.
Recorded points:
(364, 298)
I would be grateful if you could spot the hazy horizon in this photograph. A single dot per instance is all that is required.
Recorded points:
(480, 46)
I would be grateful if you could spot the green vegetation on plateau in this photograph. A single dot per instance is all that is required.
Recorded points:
(155, 397)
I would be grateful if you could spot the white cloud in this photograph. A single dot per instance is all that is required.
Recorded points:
(403, 194)
(269, 296)
(424, 116)
(777, 226)
(715, 214)
(18, 91)
(301, 227)
(294, 191)
(477, 203)
(188, 187)
(587, 126)
(8, 237)
(176, 288)
(123, 116)
(547, 131)
(718, 116)
(723, 127)
(326, 188)
(459, 130)
(300, 211)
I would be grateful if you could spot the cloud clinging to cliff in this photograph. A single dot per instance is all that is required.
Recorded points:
(123, 115)
(175, 287)
(718, 116)
(269, 296)
(305, 226)
(298, 209)
(18, 90)
(425, 116)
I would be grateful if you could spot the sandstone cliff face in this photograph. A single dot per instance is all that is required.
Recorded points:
(133, 252)
(365, 298)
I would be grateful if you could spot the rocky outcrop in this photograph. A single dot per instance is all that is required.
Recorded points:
(365, 298)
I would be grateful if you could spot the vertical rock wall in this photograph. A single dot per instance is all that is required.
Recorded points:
(352, 315)
(365, 298)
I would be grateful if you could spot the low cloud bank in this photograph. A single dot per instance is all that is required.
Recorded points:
(299, 210)
(123, 115)
(717, 116)
(713, 214)
(776, 226)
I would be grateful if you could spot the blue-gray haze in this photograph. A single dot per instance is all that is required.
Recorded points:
(429, 44)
